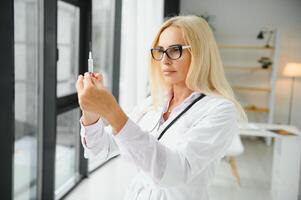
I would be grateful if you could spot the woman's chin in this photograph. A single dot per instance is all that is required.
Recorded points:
(170, 80)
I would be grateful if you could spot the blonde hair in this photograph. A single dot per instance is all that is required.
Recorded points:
(206, 72)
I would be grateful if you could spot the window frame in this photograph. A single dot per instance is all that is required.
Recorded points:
(7, 87)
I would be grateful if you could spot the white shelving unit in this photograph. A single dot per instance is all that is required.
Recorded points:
(253, 84)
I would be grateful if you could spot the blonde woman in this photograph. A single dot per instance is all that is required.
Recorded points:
(178, 135)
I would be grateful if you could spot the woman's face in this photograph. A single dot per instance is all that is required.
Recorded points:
(174, 71)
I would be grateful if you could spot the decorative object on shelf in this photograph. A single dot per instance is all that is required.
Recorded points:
(209, 19)
(265, 62)
(262, 34)
(292, 70)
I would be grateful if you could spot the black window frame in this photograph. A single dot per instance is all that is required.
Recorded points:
(53, 105)
(7, 87)
(171, 8)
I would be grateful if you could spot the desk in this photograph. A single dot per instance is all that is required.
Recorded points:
(286, 158)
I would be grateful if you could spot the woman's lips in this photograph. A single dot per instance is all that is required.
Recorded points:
(168, 72)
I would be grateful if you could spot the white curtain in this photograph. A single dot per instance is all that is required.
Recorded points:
(140, 22)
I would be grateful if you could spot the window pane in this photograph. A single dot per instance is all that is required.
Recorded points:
(68, 45)
(26, 99)
(102, 37)
(67, 151)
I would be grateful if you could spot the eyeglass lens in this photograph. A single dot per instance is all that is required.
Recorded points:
(173, 52)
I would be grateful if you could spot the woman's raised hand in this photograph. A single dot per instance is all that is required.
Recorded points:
(96, 101)
(93, 97)
(89, 118)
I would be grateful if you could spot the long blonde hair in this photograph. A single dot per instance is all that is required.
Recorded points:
(206, 72)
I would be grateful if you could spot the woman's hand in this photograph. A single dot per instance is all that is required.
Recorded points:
(89, 118)
(94, 98)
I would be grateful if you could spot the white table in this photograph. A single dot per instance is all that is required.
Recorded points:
(286, 158)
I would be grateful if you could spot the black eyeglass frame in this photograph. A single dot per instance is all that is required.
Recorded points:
(181, 48)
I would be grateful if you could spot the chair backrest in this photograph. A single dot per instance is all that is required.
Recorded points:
(236, 148)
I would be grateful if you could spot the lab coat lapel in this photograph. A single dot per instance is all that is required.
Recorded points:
(150, 120)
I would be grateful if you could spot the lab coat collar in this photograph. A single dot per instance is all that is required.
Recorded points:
(188, 100)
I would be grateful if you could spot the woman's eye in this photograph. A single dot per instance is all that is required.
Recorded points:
(173, 50)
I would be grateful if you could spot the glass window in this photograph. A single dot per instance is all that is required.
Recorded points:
(26, 99)
(102, 37)
(67, 148)
(67, 140)
(68, 46)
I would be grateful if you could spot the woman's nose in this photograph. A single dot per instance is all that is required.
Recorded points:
(165, 59)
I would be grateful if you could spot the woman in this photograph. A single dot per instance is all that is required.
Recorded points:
(178, 135)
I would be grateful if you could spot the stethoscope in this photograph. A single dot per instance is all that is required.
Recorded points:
(174, 120)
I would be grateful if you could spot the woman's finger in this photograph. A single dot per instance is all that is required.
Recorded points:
(87, 80)
(79, 83)
(99, 77)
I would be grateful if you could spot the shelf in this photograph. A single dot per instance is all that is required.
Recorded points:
(253, 108)
(245, 47)
(251, 68)
(251, 88)
(257, 68)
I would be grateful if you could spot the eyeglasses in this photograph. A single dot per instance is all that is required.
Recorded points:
(173, 52)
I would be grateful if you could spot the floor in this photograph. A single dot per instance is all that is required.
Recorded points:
(111, 180)
(255, 170)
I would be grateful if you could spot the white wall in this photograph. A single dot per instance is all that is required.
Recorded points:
(239, 21)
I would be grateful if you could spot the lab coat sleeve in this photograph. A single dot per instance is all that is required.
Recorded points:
(96, 139)
(205, 142)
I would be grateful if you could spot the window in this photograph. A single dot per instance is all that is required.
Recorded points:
(26, 99)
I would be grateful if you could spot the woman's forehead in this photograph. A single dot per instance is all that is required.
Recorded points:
(170, 36)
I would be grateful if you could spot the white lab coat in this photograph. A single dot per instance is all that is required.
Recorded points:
(180, 165)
